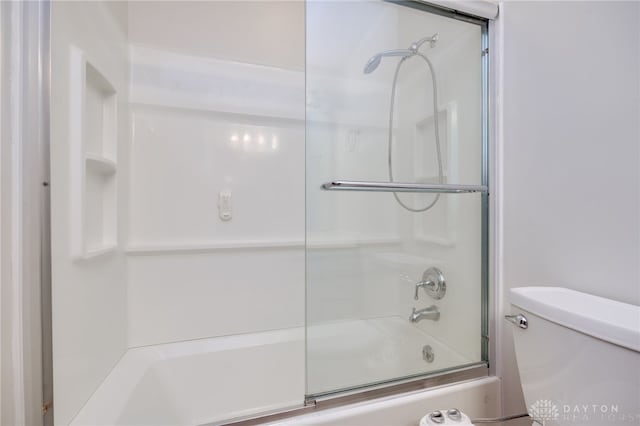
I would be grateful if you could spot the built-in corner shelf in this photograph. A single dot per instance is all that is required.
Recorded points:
(93, 143)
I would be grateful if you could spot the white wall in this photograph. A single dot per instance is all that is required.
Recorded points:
(89, 294)
(570, 154)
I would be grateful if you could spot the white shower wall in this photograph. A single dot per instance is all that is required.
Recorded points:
(189, 270)
(450, 232)
(171, 270)
(203, 124)
(88, 286)
(193, 106)
(255, 32)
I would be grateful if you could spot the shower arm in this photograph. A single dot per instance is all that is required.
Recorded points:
(405, 53)
(432, 42)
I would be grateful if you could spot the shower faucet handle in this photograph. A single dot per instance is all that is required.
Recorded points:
(422, 284)
(433, 283)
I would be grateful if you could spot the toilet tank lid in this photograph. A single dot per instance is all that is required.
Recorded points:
(605, 319)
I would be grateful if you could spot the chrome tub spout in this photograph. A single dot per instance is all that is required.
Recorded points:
(430, 313)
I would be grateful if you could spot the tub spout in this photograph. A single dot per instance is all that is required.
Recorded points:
(430, 313)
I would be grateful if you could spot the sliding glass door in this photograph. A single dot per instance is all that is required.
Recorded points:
(396, 193)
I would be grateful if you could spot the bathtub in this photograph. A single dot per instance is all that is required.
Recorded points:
(210, 380)
(477, 398)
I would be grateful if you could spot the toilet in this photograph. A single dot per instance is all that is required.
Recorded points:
(578, 356)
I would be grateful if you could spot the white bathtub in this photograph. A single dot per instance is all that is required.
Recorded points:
(209, 380)
(477, 398)
(346, 354)
(200, 381)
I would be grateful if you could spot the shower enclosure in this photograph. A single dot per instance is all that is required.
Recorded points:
(262, 206)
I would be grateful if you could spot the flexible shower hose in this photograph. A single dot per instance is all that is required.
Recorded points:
(435, 126)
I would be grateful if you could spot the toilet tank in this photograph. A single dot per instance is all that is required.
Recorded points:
(578, 357)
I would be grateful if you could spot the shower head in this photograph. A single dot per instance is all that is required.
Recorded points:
(374, 61)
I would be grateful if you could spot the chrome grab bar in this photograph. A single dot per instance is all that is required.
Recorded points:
(350, 185)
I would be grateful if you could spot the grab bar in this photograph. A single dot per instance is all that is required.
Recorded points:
(349, 185)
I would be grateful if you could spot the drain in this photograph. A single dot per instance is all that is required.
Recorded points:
(427, 353)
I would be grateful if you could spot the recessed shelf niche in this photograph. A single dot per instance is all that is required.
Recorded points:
(94, 153)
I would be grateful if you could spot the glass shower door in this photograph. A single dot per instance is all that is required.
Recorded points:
(396, 193)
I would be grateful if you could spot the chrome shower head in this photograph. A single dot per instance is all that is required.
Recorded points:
(375, 60)
(372, 64)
